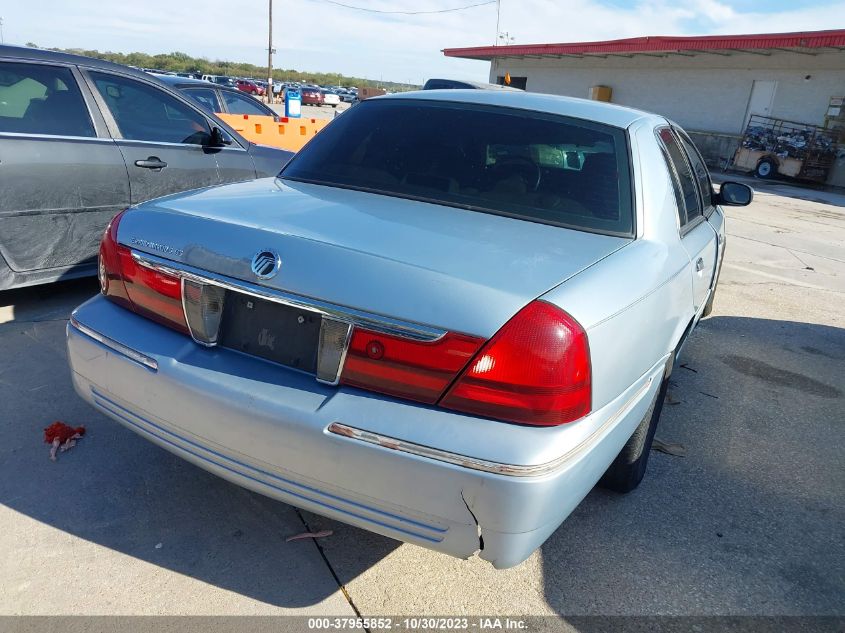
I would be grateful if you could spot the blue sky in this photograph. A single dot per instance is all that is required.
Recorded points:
(315, 35)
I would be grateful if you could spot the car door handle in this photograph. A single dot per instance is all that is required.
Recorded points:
(153, 162)
(699, 265)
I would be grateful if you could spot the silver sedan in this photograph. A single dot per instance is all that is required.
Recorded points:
(450, 316)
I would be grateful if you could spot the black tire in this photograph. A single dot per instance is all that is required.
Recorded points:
(708, 307)
(627, 470)
(766, 168)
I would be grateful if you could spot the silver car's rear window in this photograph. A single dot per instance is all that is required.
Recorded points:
(533, 166)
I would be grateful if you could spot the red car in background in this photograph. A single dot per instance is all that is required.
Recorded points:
(249, 87)
(312, 96)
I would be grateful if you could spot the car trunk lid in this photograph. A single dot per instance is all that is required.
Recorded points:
(451, 268)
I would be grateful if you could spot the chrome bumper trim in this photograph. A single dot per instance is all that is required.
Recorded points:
(483, 465)
(375, 322)
(128, 352)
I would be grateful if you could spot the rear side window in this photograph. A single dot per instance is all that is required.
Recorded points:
(690, 205)
(145, 113)
(206, 97)
(240, 104)
(533, 166)
(700, 170)
(41, 99)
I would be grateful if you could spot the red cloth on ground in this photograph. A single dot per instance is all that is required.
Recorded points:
(62, 432)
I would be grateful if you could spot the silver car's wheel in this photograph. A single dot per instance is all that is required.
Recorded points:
(627, 470)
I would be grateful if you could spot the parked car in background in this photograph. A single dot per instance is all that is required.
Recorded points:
(81, 140)
(218, 98)
(330, 97)
(157, 71)
(222, 80)
(311, 96)
(249, 87)
(454, 84)
(446, 332)
(348, 96)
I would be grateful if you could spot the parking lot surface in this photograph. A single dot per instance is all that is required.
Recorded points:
(749, 521)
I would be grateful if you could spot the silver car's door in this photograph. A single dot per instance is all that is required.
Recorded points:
(697, 235)
(62, 178)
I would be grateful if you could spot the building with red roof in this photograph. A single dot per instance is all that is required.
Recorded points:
(709, 84)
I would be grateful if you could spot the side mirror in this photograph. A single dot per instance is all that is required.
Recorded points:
(734, 194)
(219, 138)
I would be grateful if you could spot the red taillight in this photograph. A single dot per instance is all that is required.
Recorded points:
(150, 293)
(401, 367)
(535, 370)
(111, 279)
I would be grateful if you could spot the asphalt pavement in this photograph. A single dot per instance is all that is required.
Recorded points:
(747, 522)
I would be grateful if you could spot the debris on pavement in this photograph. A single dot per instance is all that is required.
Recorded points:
(304, 535)
(678, 450)
(62, 437)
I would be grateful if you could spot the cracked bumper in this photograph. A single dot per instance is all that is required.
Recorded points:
(271, 430)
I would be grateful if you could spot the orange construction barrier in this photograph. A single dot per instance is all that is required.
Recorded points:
(287, 133)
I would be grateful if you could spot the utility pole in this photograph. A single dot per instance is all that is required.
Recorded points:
(2, 39)
(498, 10)
(270, 58)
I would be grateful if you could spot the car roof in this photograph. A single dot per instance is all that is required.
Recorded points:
(175, 80)
(40, 54)
(169, 81)
(599, 111)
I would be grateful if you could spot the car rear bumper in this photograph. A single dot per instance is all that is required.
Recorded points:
(443, 480)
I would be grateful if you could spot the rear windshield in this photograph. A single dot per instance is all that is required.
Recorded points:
(533, 166)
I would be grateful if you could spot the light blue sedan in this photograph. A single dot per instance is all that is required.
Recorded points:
(450, 316)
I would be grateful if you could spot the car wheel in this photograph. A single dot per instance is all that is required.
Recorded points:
(766, 169)
(627, 470)
(708, 307)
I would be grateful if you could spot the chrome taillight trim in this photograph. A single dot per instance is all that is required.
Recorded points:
(375, 322)
(120, 348)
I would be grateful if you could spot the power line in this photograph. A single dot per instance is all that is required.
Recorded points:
(368, 10)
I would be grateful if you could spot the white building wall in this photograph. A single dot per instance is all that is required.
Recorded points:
(706, 92)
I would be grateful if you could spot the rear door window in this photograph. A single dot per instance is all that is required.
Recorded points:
(206, 97)
(702, 175)
(518, 163)
(42, 99)
(241, 104)
(145, 113)
(683, 174)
